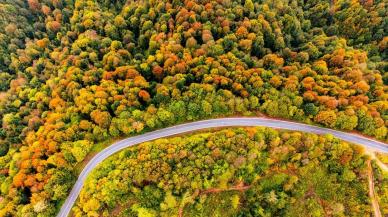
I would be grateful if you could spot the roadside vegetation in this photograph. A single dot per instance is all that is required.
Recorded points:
(76, 73)
(381, 187)
(382, 157)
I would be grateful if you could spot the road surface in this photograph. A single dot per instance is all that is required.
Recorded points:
(199, 125)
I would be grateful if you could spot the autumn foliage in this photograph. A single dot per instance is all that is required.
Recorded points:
(75, 73)
(231, 172)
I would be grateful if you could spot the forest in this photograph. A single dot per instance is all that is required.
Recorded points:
(246, 172)
(381, 188)
(75, 73)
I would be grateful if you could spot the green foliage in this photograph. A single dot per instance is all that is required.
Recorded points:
(80, 149)
(201, 174)
(310, 109)
(381, 185)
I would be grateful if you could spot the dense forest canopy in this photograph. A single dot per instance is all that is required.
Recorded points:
(232, 172)
(76, 72)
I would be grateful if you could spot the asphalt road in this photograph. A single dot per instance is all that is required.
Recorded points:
(199, 125)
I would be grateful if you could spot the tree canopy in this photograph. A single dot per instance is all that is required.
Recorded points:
(74, 73)
(231, 172)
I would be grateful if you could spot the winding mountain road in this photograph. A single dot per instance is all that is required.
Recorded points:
(199, 125)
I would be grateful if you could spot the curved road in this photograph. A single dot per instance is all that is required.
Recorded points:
(199, 125)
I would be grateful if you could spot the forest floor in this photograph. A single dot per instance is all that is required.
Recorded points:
(384, 167)
(238, 187)
(118, 210)
(372, 195)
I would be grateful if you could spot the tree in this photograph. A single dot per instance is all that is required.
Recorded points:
(361, 87)
(346, 122)
(310, 109)
(92, 205)
(5, 80)
(272, 61)
(327, 118)
(53, 26)
(80, 149)
(165, 116)
(34, 5)
(144, 95)
(101, 118)
(191, 43)
(249, 6)
(18, 180)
